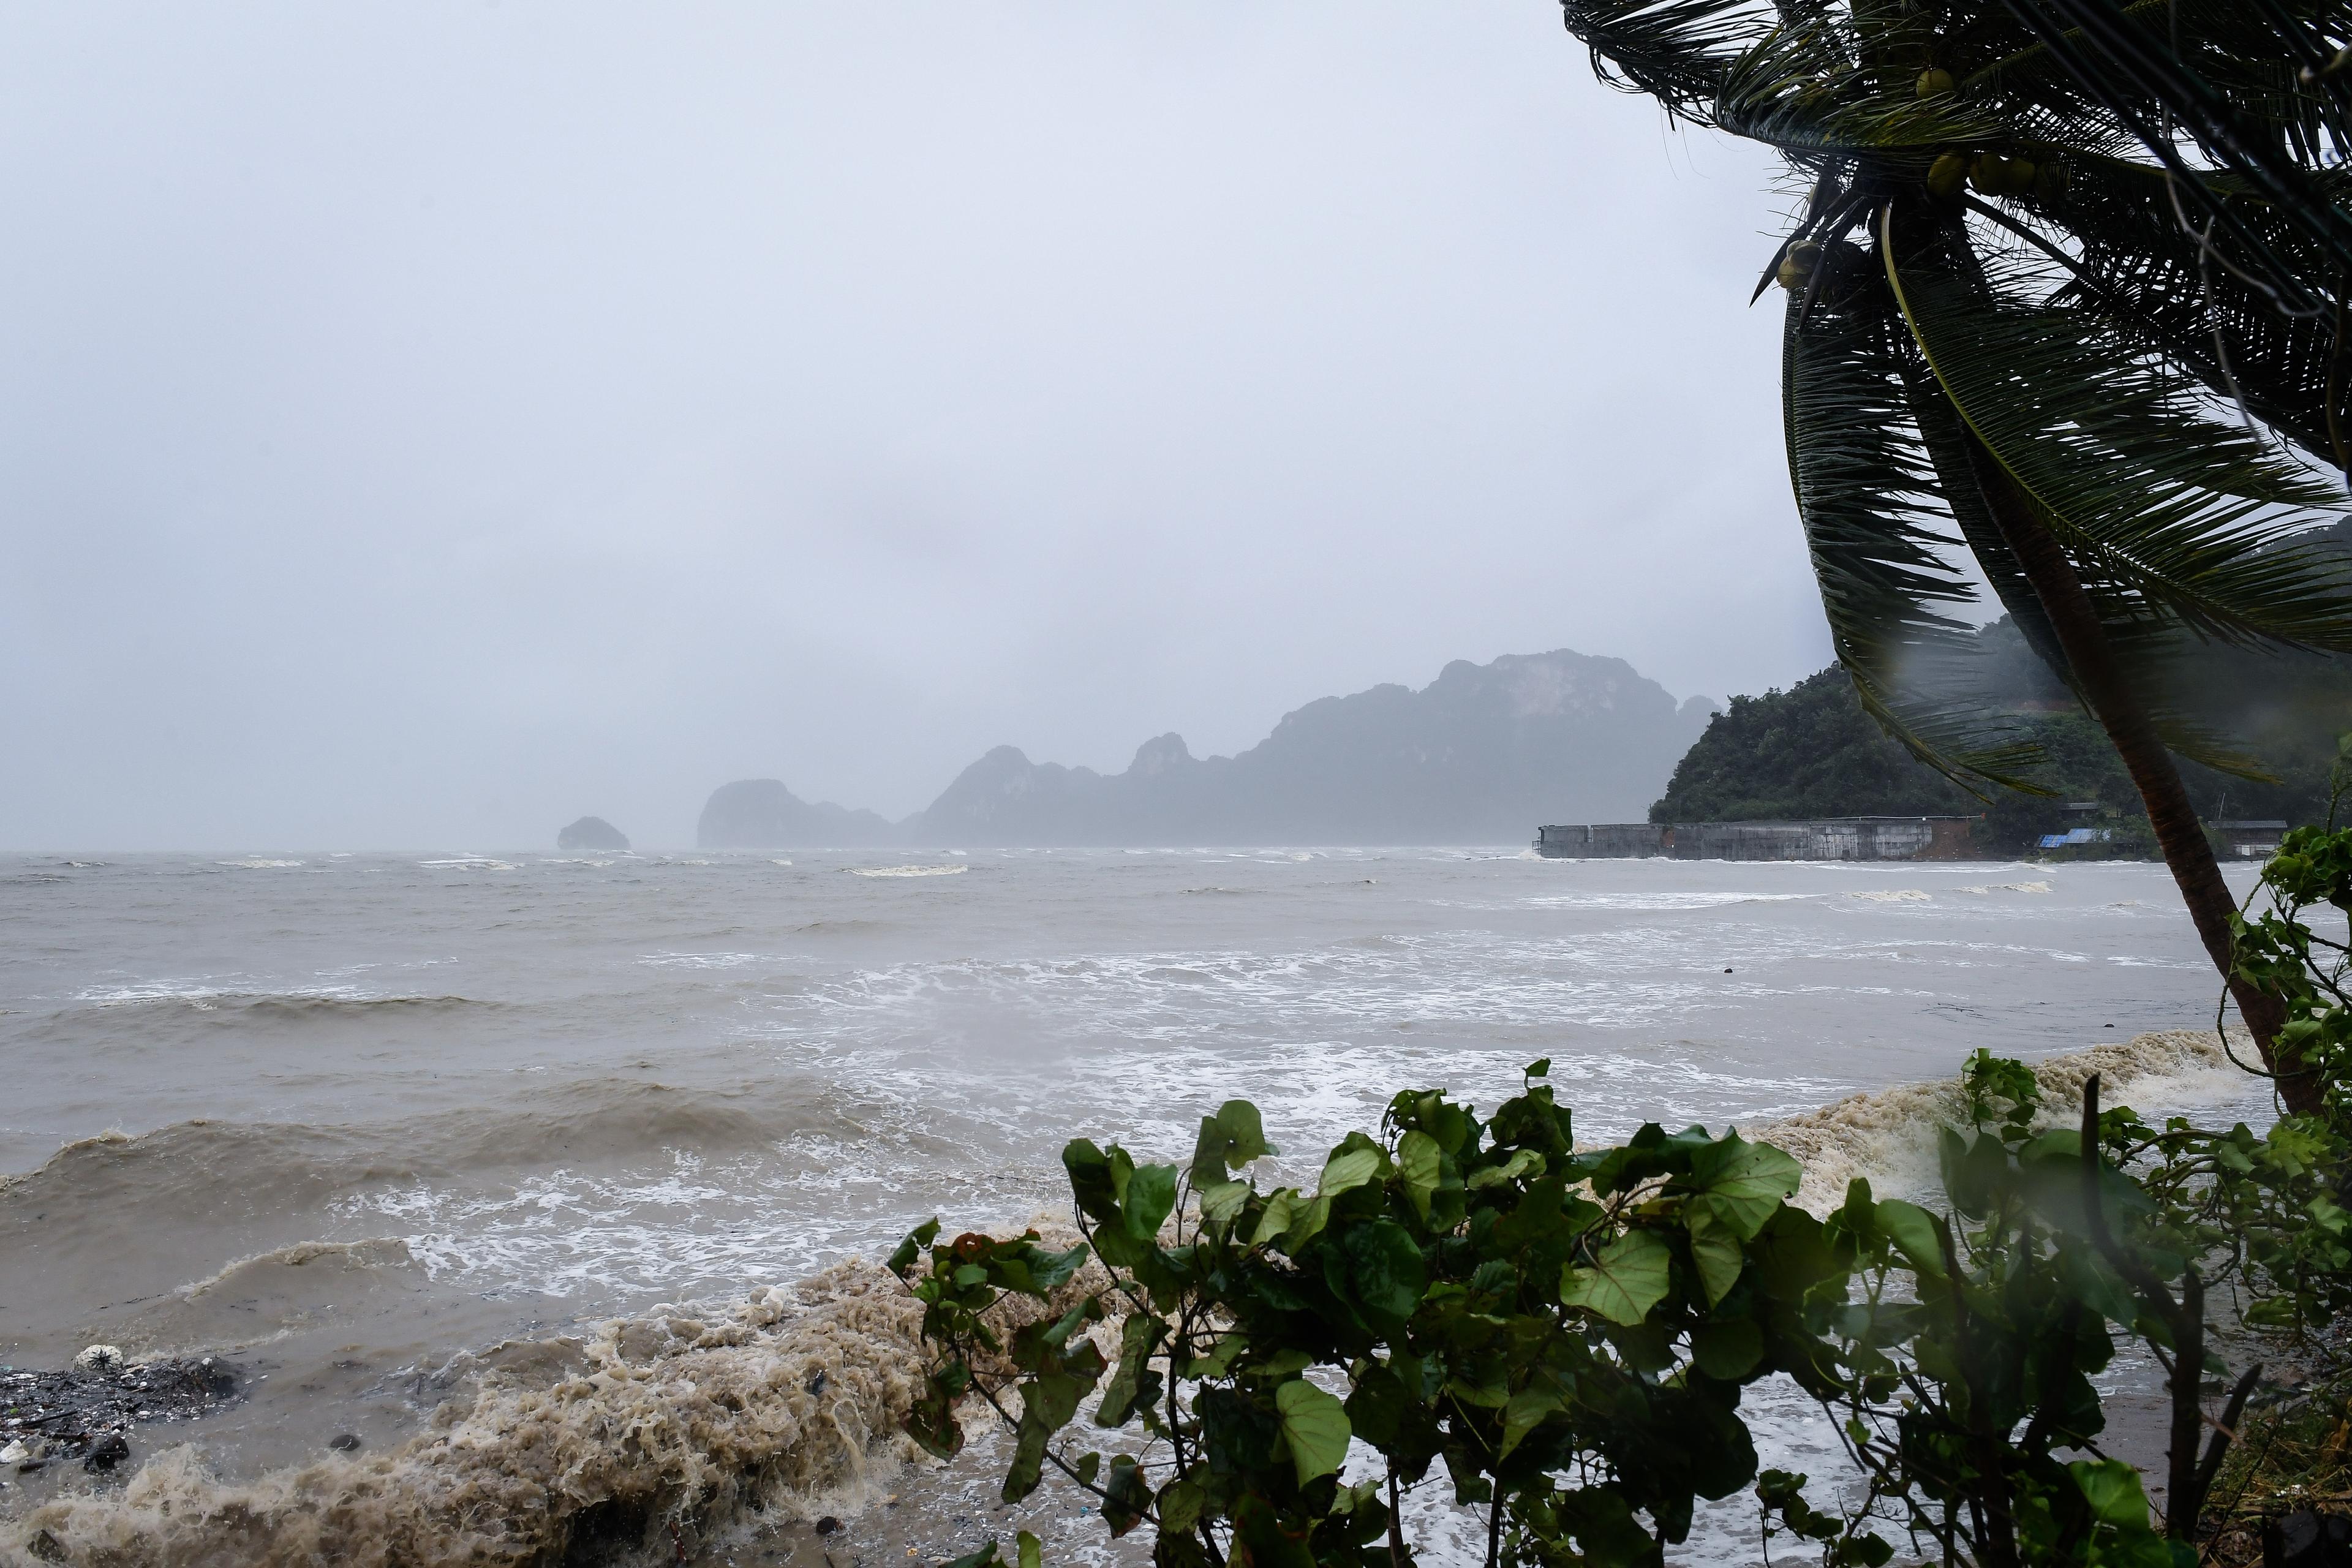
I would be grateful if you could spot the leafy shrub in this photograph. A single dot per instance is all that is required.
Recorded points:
(1567, 1333)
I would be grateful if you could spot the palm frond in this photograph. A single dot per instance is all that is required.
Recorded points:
(2227, 40)
(1865, 489)
(1820, 91)
(2170, 515)
(1675, 51)
(2229, 102)
(1945, 441)
(2151, 279)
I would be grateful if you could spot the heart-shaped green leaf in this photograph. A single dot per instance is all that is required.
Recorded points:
(1628, 1278)
(1744, 1182)
(1314, 1424)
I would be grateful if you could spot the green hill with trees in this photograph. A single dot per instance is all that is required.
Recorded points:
(1811, 752)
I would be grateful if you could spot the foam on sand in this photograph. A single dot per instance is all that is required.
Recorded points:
(649, 1431)
(792, 1395)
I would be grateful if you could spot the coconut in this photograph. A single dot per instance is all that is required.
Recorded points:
(1946, 175)
(1998, 176)
(1797, 265)
(1934, 82)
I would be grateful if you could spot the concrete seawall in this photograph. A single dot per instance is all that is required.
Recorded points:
(1828, 838)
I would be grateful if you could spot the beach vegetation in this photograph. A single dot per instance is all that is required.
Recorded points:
(1560, 1335)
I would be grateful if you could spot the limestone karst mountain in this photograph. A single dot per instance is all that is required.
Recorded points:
(761, 814)
(1480, 755)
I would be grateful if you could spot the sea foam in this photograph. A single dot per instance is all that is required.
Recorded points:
(664, 1427)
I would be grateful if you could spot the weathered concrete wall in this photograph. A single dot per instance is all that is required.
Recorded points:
(1836, 838)
(1603, 841)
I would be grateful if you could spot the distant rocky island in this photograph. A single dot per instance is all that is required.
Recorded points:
(761, 814)
(1480, 755)
(593, 833)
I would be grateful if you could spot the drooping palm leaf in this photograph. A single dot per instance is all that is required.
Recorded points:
(1675, 51)
(2078, 328)
(1945, 439)
(2180, 526)
(2151, 276)
(2161, 296)
(2231, 101)
(1864, 490)
(2173, 515)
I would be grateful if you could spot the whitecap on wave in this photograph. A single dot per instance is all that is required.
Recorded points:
(1888, 1134)
(907, 871)
(1685, 900)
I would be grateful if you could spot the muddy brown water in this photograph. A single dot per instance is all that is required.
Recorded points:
(385, 1129)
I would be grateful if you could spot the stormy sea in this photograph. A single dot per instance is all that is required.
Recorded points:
(524, 1205)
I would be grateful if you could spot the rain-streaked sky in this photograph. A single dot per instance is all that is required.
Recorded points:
(427, 423)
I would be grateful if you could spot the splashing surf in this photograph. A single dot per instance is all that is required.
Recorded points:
(647, 1433)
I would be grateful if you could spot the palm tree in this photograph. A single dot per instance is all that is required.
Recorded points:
(2035, 325)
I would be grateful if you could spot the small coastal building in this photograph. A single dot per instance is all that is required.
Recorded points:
(2252, 840)
(1828, 838)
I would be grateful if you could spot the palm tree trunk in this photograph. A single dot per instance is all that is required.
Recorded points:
(2125, 719)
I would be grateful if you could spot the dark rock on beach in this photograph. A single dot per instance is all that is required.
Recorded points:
(593, 833)
(2306, 1539)
(84, 1412)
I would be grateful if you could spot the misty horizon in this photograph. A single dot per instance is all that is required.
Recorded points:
(429, 427)
(668, 838)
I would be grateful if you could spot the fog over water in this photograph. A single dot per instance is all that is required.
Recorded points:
(423, 425)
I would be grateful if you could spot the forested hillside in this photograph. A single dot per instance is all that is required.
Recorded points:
(1811, 751)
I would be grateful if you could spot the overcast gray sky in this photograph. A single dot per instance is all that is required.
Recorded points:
(427, 423)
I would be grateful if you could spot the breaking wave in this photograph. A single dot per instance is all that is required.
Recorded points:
(276, 1007)
(1887, 1135)
(587, 1124)
(1674, 901)
(651, 1431)
(792, 1399)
